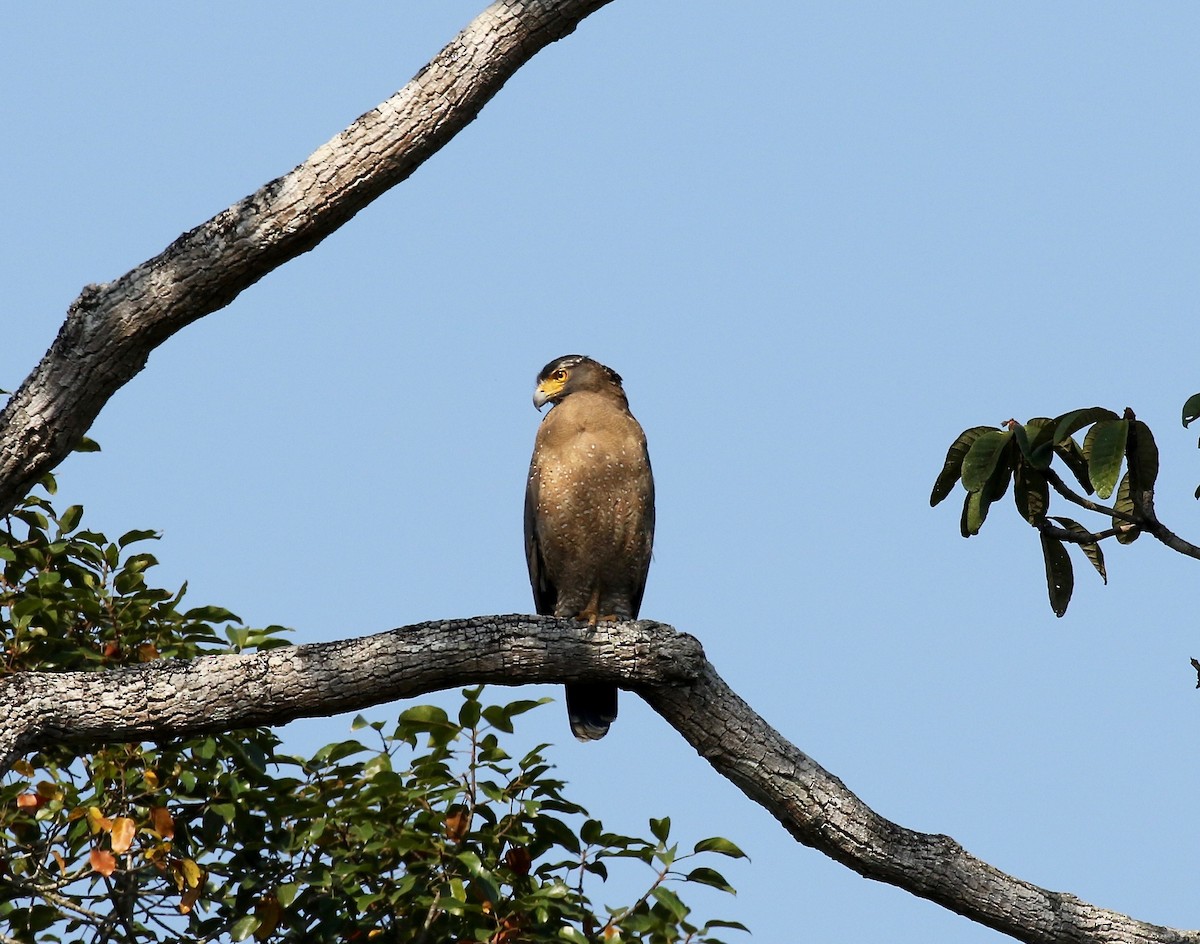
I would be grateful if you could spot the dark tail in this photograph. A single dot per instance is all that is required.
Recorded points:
(591, 708)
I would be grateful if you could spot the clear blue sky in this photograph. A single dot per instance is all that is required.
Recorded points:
(818, 241)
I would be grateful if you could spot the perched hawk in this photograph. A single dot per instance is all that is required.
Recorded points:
(589, 513)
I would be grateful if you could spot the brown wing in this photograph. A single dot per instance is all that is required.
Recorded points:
(545, 594)
(643, 565)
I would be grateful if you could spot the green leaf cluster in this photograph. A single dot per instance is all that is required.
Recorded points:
(987, 460)
(421, 829)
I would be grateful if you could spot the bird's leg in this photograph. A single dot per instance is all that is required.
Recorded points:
(591, 612)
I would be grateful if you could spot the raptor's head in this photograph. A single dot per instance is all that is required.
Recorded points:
(571, 373)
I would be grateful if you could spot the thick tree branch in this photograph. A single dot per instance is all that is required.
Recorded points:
(112, 328)
(668, 669)
(181, 698)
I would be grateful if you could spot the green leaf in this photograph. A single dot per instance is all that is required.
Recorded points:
(972, 517)
(86, 445)
(1060, 579)
(1191, 409)
(1074, 459)
(130, 537)
(1068, 424)
(711, 877)
(1029, 436)
(591, 831)
(983, 457)
(332, 753)
(424, 718)
(69, 519)
(734, 925)
(244, 927)
(721, 846)
(660, 828)
(598, 868)
(952, 466)
(1031, 492)
(1091, 550)
(211, 614)
(286, 893)
(1142, 457)
(1104, 449)
(975, 508)
(1126, 533)
(469, 713)
(669, 900)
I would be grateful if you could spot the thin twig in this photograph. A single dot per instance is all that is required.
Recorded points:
(1074, 537)
(1072, 496)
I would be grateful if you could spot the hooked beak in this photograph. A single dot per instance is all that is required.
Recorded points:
(540, 398)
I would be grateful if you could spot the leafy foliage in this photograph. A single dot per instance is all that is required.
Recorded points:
(429, 831)
(986, 460)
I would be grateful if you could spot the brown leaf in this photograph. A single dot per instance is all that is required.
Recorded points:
(48, 790)
(123, 831)
(28, 801)
(189, 877)
(458, 821)
(517, 858)
(189, 899)
(161, 822)
(103, 862)
(158, 855)
(268, 911)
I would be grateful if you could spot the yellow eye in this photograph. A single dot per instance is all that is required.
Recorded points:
(559, 375)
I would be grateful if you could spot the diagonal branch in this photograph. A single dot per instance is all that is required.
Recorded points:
(667, 668)
(111, 329)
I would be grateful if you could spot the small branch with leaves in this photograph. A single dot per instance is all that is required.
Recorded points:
(987, 460)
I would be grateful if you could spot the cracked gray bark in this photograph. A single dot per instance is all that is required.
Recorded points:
(110, 331)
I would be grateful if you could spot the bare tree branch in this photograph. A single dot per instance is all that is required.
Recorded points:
(111, 329)
(668, 669)
(180, 698)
